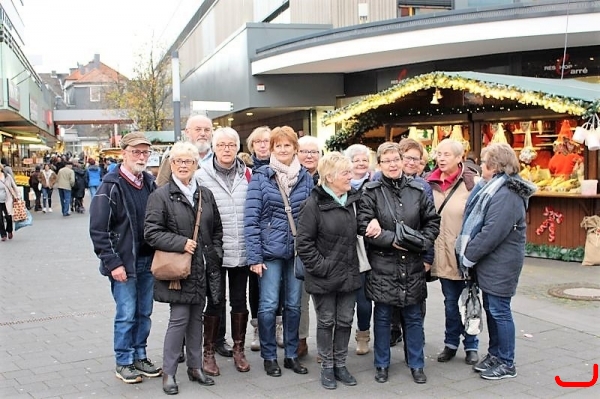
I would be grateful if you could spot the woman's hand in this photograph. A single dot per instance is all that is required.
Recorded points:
(427, 266)
(258, 268)
(373, 229)
(190, 246)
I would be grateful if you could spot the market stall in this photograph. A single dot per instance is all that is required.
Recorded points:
(552, 125)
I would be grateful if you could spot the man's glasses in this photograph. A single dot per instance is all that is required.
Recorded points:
(137, 153)
(411, 159)
(390, 161)
(314, 153)
(186, 162)
(230, 146)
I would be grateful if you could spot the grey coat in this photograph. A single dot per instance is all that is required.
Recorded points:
(498, 249)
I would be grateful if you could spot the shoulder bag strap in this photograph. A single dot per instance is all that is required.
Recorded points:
(454, 188)
(288, 208)
(198, 215)
(387, 202)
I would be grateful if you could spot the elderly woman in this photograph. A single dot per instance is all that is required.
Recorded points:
(309, 153)
(397, 277)
(225, 177)
(359, 156)
(258, 145)
(169, 226)
(8, 193)
(270, 245)
(492, 245)
(451, 182)
(327, 246)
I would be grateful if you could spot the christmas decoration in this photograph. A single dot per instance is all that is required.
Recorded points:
(440, 80)
(552, 219)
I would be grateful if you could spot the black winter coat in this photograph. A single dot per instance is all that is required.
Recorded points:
(169, 223)
(326, 243)
(397, 277)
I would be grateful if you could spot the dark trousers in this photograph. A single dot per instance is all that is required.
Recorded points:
(8, 228)
(334, 326)
(238, 280)
(184, 321)
(38, 198)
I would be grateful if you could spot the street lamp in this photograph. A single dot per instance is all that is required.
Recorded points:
(176, 95)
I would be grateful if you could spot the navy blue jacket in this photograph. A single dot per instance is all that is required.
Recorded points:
(94, 176)
(112, 222)
(266, 227)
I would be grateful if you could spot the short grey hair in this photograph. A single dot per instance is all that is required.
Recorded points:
(501, 158)
(184, 148)
(388, 146)
(226, 132)
(357, 149)
(455, 146)
(309, 140)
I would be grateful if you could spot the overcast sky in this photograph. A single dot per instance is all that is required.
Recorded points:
(61, 33)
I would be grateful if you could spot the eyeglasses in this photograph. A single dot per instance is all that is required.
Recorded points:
(390, 161)
(186, 162)
(137, 153)
(231, 146)
(309, 152)
(266, 141)
(411, 159)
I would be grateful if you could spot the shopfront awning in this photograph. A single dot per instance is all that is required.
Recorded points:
(565, 96)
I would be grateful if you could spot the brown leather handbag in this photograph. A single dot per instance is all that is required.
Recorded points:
(175, 266)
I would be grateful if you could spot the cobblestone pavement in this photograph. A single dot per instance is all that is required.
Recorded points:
(56, 334)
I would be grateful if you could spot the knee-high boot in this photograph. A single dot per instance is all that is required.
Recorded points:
(211, 327)
(239, 321)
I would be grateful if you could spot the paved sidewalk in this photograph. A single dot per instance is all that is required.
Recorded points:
(56, 335)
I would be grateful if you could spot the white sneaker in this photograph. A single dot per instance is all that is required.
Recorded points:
(50, 210)
(44, 210)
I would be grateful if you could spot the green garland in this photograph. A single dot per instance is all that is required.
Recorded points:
(353, 131)
(554, 252)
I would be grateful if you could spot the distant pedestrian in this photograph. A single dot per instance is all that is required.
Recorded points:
(117, 231)
(8, 193)
(48, 179)
(34, 183)
(65, 182)
(94, 177)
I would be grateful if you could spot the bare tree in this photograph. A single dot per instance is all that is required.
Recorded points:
(145, 97)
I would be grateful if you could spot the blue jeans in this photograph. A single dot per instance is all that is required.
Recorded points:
(413, 335)
(93, 190)
(46, 197)
(364, 306)
(454, 327)
(65, 200)
(278, 272)
(501, 327)
(134, 301)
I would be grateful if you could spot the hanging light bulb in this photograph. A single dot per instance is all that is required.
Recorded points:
(434, 100)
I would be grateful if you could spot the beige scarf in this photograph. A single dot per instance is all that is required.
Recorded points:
(286, 176)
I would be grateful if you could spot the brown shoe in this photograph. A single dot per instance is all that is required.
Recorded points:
(302, 348)
(239, 321)
(209, 363)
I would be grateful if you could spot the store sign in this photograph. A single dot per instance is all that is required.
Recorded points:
(564, 63)
(33, 110)
(14, 95)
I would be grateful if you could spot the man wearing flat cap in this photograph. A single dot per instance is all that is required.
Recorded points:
(117, 231)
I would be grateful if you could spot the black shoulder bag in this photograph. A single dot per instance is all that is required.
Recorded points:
(406, 237)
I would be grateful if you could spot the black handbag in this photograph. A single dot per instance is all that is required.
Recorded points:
(406, 237)
(298, 265)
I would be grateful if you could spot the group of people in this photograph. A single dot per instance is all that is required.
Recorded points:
(451, 224)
